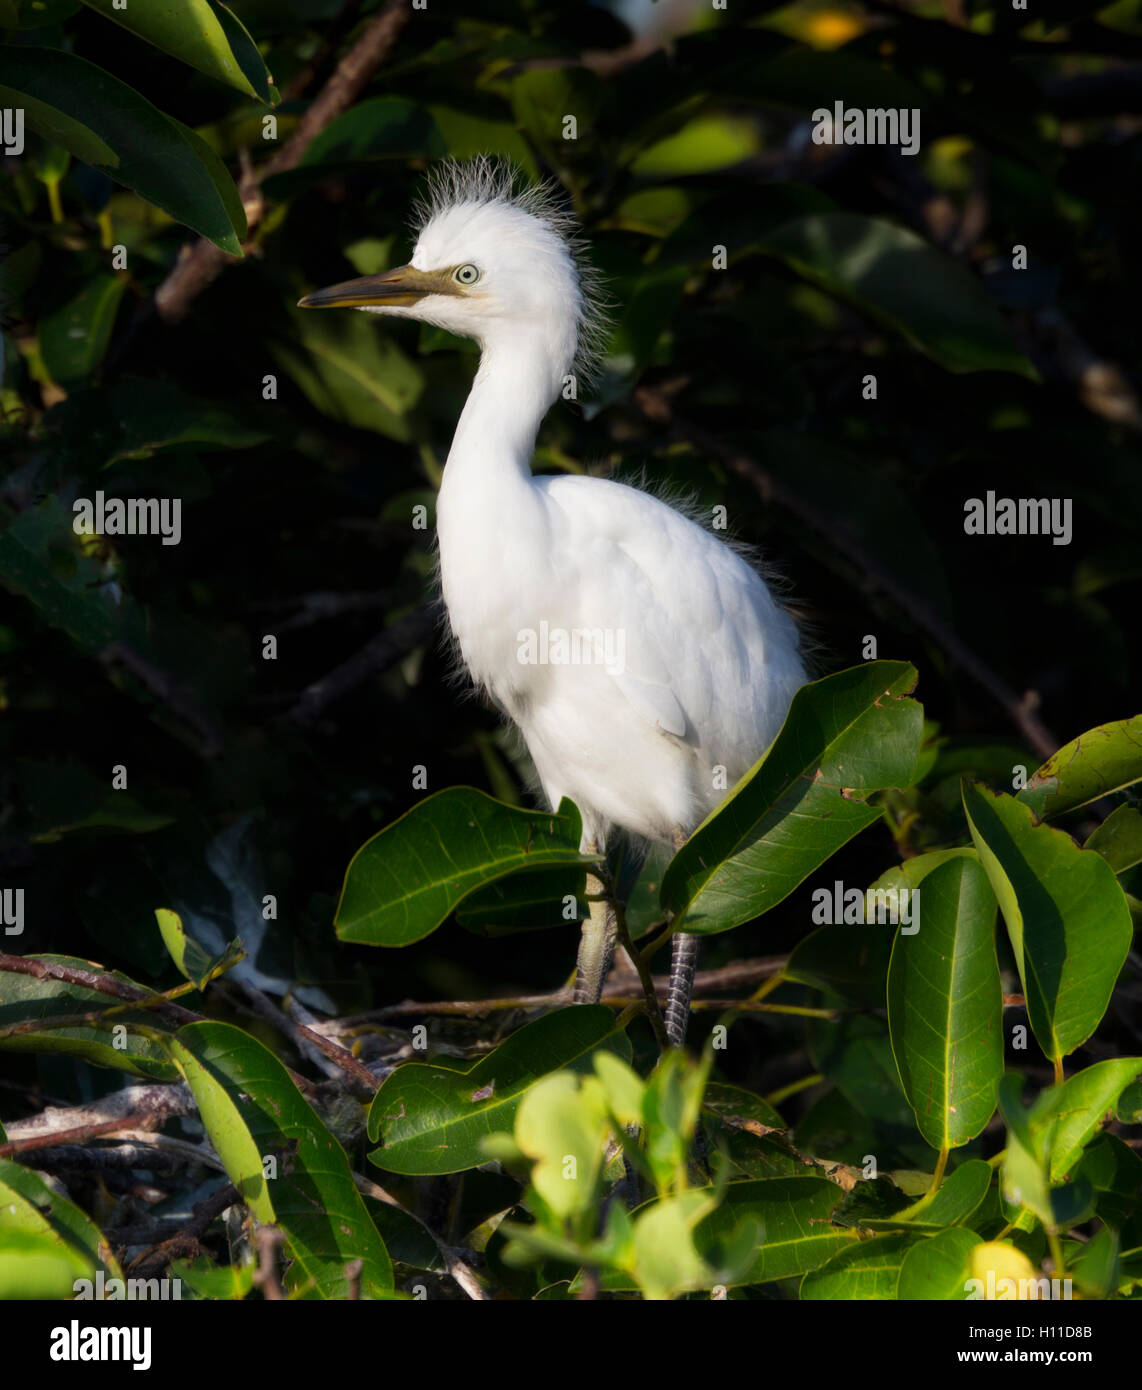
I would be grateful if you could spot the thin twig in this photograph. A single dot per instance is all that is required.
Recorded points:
(268, 1241)
(57, 1124)
(175, 696)
(331, 1057)
(743, 973)
(396, 641)
(133, 1148)
(178, 1238)
(102, 982)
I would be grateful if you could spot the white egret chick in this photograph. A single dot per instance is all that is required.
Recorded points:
(645, 662)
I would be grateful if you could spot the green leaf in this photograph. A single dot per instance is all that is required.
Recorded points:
(735, 1122)
(896, 277)
(664, 1259)
(46, 1239)
(1119, 838)
(542, 97)
(468, 135)
(938, 1268)
(625, 1090)
(1079, 1107)
(202, 33)
(105, 123)
(351, 370)
(62, 130)
(1129, 1108)
(135, 418)
(649, 305)
(387, 127)
(671, 1106)
(794, 1216)
(736, 1102)
(252, 1110)
(74, 338)
(854, 963)
(958, 1197)
(704, 145)
(564, 1117)
(431, 1117)
(1099, 762)
(207, 1280)
(64, 800)
(867, 1270)
(1114, 1172)
(844, 737)
(1024, 1174)
(911, 873)
(871, 1203)
(657, 212)
(24, 998)
(723, 220)
(1066, 915)
(34, 1264)
(945, 1006)
(1096, 1268)
(529, 901)
(403, 883)
(856, 1053)
(41, 560)
(192, 961)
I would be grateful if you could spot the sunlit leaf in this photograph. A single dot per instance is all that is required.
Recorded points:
(1066, 916)
(24, 999)
(204, 33)
(939, 1268)
(195, 964)
(867, 1270)
(106, 123)
(351, 370)
(431, 1116)
(1099, 762)
(844, 737)
(1119, 838)
(1080, 1106)
(252, 1110)
(945, 1005)
(45, 1239)
(402, 884)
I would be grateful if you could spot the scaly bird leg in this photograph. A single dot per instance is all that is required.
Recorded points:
(597, 943)
(683, 960)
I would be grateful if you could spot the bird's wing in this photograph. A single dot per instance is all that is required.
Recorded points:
(684, 602)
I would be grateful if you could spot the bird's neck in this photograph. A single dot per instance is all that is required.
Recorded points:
(513, 390)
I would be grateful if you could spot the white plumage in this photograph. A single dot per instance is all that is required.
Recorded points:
(686, 663)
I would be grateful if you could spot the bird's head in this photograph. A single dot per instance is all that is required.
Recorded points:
(494, 261)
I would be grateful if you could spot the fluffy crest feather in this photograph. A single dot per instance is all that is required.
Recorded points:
(455, 183)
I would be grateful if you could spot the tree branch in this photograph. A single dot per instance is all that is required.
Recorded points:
(201, 262)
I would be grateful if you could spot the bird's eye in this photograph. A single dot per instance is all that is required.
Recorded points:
(466, 275)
